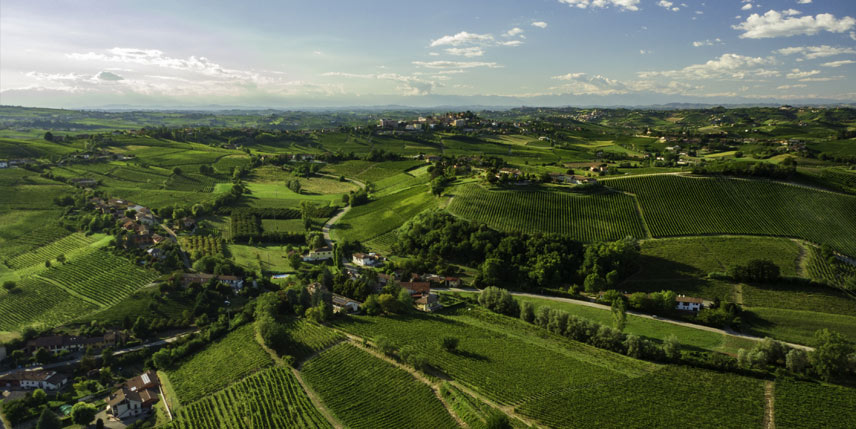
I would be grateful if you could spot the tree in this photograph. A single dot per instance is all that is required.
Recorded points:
(99, 424)
(619, 314)
(42, 355)
(48, 420)
(60, 258)
(527, 311)
(141, 328)
(829, 358)
(405, 299)
(176, 171)
(796, 361)
(497, 420)
(384, 345)
(672, 348)
(48, 263)
(83, 413)
(49, 136)
(498, 300)
(450, 344)
(295, 259)
(9, 285)
(371, 306)
(39, 397)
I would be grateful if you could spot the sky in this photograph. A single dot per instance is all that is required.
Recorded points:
(324, 53)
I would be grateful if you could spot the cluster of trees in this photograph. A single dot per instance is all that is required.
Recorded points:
(783, 171)
(832, 358)
(515, 260)
(392, 300)
(357, 198)
(294, 185)
(270, 307)
(756, 270)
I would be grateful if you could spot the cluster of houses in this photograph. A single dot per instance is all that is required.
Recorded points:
(456, 120)
(140, 224)
(47, 380)
(9, 163)
(72, 343)
(135, 397)
(235, 282)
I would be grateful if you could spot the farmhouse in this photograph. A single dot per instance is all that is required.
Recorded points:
(135, 397)
(429, 302)
(59, 343)
(4, 164)
(387, 123)
(417, 287)
(320, 254)
(366, 259)
(687, 303)
(342, 303)
(512, 173)
(236, 283)
(39, 379)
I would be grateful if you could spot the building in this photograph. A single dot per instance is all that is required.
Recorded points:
(135, 397)
(417, 287)
(234, 282)
(687, 303)
(387, 123)
(39, 379)
(459, 123)
(429, 302)
(4, 164)
(320, 254)
(343, 303)
(59, 343)
(145, 218)
(366, 259)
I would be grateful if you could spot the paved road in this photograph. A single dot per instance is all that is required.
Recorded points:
(643, 315)
(116, 353)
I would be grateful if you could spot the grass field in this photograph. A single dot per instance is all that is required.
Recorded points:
(363, 391)
(267, 258)
(810, 405)
(674, 206)
(504, 359)
(383, 215)
(226, 361)
(798, 326)
(672, 397)
(600, 217)
(269, 399)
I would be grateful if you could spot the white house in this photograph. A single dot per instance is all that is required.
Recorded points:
(235, 282)
(366, 259)
(136, 396)
(687, 303)
(40, 379)
(320, 254)
(343, 303)
(4, 164)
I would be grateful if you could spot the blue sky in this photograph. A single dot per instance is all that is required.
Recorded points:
(346, 53)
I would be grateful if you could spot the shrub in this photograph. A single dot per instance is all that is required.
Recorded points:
(499, 301)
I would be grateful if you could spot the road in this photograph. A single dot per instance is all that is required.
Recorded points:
(157, 343)
(175, 238)
(325, 230)
(643, 315)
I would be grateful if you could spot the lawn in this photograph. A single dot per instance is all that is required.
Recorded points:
(383, 215)
(798, 326)
(265, 258)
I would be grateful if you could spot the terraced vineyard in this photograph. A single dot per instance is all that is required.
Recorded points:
(609, 216)
(235, 356)
(366, 392)
(674, 206)
(270, 399)
(32, 236)
(37, 302)
(308, 337)
(64, 246)
(674, 396)
(811, 405)
(101, 277)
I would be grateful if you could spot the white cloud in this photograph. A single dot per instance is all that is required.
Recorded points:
(782, 24)
(799, 74)
(821, 79)
(154, 57)
(812, 52)
(408, 85)
(105, 75)
(803, 1)
(539, 24)
(513, 32)
(795, 86)
(644, 52)
(853, 35)
(455, 64)
(511, 43)
(621, 4)
(582, 83)
(746, 6)
(838, 63)
(726, 66)
(707, 42)
(473, 51)
(462, 38)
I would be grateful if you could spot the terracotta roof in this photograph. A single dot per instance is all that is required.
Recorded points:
(418, 287)
(689, 299)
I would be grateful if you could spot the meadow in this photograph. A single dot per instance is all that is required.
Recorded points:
(383, 215)
(269, 399)
(598, 217)
(363, 391)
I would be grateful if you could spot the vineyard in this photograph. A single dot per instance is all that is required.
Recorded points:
(505, 363)
(64, 246)
(100, 276)
(269, 399)
(39, 303)
(308, 337)
(836, 274)
(366, 392)
(674, 206)
(672, 397)
(602, 217)
(232, 358)
(201, 245)
(472, 411)
(811, 405)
